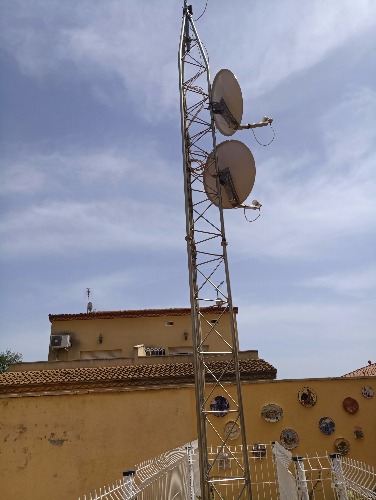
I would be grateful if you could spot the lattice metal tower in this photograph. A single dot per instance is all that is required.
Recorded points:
(208, 273)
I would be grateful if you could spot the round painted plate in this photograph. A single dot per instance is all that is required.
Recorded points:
(342, 446)
(307, 397)
(289, 439)
(327, 425)
(232, 430)
(351, 405)
(271, 412)
(220, 406)
(367, 392)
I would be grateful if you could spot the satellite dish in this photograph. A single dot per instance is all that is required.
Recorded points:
(227, 102)
(237, 172)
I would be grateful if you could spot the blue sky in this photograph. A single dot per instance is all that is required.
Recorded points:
(91, 169)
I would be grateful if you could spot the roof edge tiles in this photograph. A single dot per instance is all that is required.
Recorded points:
(365, 371)
(137, 313)
(109, 377)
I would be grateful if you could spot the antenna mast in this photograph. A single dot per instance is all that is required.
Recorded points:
(208, 266)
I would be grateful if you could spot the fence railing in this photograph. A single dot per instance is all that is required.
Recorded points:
(360, 479)
(230, 465)
(275, 475)
(171, 476)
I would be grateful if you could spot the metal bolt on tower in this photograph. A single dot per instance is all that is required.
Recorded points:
(209, 277)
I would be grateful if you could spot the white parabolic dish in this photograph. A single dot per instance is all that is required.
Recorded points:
(237, 157)
(225, 86)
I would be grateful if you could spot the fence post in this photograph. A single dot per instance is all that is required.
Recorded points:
(190, 452)
(129, 474)
(301, 478)
(339, 484)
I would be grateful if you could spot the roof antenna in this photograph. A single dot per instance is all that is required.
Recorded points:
(89, 304)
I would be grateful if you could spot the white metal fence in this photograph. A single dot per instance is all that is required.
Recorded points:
(275, 475)
(173, 475)
(360, 479)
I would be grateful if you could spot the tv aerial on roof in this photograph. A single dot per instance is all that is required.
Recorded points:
(227, 105)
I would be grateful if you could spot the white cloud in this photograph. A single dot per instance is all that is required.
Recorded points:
(34, 173)
(313, 31)
(86, 41)
(349, 134)
(21, 178)
(139, 45)
(67, 226)
(322, 199)
(308, 339)
(360, 283)
(313, 320)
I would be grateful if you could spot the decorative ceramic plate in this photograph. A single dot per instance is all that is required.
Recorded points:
(367, 392)
(307, 397)
(220, 406)
(342, 446)
(351, 405)
(232, 430)
(259, 451)
(327, 425)
(271, 412)
(289, 439)
(358, 433)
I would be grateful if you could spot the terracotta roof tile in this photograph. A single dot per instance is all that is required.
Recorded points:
(169, 373)
(182, 311)
(366, 371)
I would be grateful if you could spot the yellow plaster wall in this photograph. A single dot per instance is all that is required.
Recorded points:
(62, 447)
(59, 447)
(125, 333)
(330, 396)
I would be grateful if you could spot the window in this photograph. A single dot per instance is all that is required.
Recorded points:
(169, 323)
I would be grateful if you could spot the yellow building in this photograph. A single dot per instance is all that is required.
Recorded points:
(126, 334)
(69, 426)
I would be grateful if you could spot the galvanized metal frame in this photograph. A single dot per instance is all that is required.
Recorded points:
(208, 268)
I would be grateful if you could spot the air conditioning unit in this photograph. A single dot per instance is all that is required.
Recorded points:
(60, 341)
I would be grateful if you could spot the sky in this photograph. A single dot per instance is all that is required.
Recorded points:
(92, 181)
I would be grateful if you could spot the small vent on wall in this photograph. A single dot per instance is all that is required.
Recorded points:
(169, 323)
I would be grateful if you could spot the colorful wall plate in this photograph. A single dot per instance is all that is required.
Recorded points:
(271, 412)
(307, 397)
(351, 405)
(220, 406)
(327, 425)
(367, 392)
(342, 446)
(358, 433)
(289, 439)
(232, 430)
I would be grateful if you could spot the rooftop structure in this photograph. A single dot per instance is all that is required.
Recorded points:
(366, 371)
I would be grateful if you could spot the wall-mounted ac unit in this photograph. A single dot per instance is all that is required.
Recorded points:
(60, 341)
